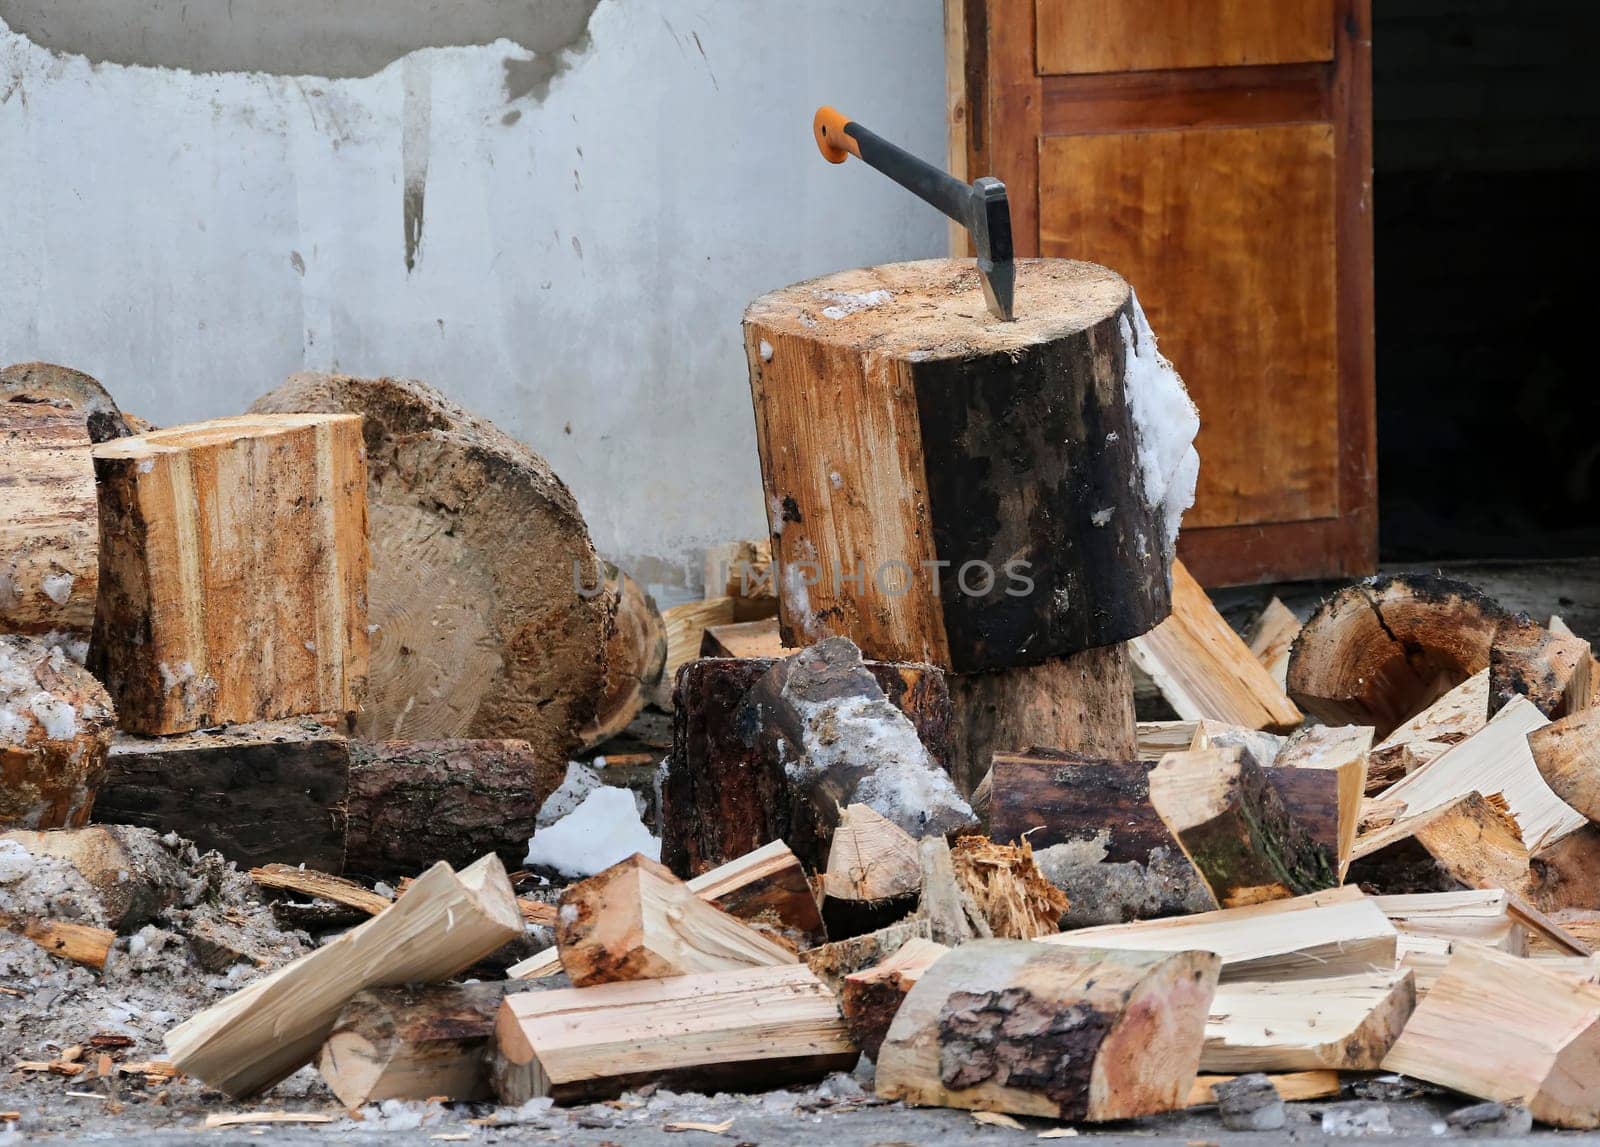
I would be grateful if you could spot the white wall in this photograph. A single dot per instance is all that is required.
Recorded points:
(584, 257)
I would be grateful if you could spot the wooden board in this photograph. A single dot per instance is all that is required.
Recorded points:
(1143, 35)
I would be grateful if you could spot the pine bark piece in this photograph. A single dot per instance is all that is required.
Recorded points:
(1271, 636)
(133, 876)
(1232, 825)
(1503, 1028)
(1333, 933)
(1381, 651)
(413, 1043)
(413, 803)
(1082, 702)
(444, 922)
(744, 639)
(486, 593)
(636, 921)
(1008, 889)
(748, 1030)
(78, 943)
(1567, 753)
(1550, 669)
(49, 523)
(1448, 721)
(832, 962)
(55, 729)
(233, 571)
(743, 571)
(1347, 1023)
(872, 996)
(685, 627)
(1204, 669)
(726, 793)
(636, 659)
(1070, 1034)
(908, 431)
(262, 793)
(61, 386)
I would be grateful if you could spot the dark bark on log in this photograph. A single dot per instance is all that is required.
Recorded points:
(1549, 669)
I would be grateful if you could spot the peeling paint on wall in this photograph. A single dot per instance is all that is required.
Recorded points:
(416, 122)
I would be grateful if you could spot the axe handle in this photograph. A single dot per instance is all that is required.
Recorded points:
(838, 137)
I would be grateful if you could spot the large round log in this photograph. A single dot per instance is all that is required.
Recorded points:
(946, 488)
(61, 385)
(636, 658)
(486, 593)
(55, 730)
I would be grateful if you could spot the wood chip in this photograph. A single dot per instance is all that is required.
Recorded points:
(996, 1119)
(1059, 1133)
(310, 882)
(711, 1128)
(236, 1118)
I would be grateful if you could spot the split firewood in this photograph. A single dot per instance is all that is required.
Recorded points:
(952, 915)
(1508, 1029)
(1474, 839)
(750, 1029)
(767, 889)
(1347, 1023)
(477, 546)
(636, 659)
(55, 729)
(1549, 669)
(80, 943)
(727, 790)
(309, 882)
(832, 962)
(1561, 628)
(445, 922)
(1321, 768)
(1155, 739)
(1566, 873)
(1291, 1086)
(272, 791)
(251, 614)
(1082, 702)
(1380, 651)
(133, 876)
(61, 386)
(744, 572)
(1261, 746)
(413, 1043)
(413, 803)
(685, 627)
(1448, 721)
(1271, 636)
(49, 523)
(744, 639)
(1081, 1036)
(636, 921)
(1431, 925)
(872, 996)
(873, 874)
(1582, 923)
(1204, 669)
(1567, 753)
(1077, 512)
(1095, 835)
(1334, 933)
(1010, 892)
(1235, 830)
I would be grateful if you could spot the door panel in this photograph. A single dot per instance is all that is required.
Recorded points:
(1084, 36)
(1228, 237)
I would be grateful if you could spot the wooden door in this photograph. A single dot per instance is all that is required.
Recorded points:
(1218, 154)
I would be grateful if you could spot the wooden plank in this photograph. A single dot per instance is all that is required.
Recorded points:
(1147, 101)
(1146, 35)
(1216, 228)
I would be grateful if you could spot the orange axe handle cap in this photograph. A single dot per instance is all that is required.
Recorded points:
(832, 140)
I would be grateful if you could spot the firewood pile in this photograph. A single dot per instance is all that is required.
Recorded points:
(347, 642)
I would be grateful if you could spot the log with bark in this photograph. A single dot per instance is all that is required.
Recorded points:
(977, 495)
(1567, 753)
(873, 875)
(1347, 1023)
(1381, 651)
(486, 594)
(233, 571)
(55, 729)
(745, 1030)
(1075, 1035)
(1321, 768)
(832, 962)
(62, 386)
(636, 658)
(872, 996)
(1549, 669)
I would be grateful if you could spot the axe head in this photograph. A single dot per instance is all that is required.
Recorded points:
(989, 221)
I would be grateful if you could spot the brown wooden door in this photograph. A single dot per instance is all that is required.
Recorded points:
(1218, 154)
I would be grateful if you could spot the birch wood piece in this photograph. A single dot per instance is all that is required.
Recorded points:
(1008, 889)
(636, 921)
(444, 922)
(1076, 1035)
(1235, 830)
(872, 996)
(1204, 669)
(49, 523)
(413, 1043)
(1544, 1033)
(1345, 1023)
(486, 593)
(1549, 669)
(1271, 636)
(1381, 651)
(233, 571)
(1567, 753)
(898, 430)
(636, 659)
(55, 729)
(1448, 721)
(1333, 933)
(1082, 702)
(750, 1029)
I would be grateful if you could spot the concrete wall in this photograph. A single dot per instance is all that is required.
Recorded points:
(555, 210)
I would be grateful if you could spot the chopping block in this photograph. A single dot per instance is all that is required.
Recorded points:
(999, 499)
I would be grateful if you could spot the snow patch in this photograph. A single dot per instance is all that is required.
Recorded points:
(57, 586)
(57, 718)
(15, 862)
(1165, 423)
(1102, 517)
(601, 831)
(847, 303)
(766, 351)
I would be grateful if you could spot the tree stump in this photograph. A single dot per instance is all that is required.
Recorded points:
(486, 594)
(55, 728)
